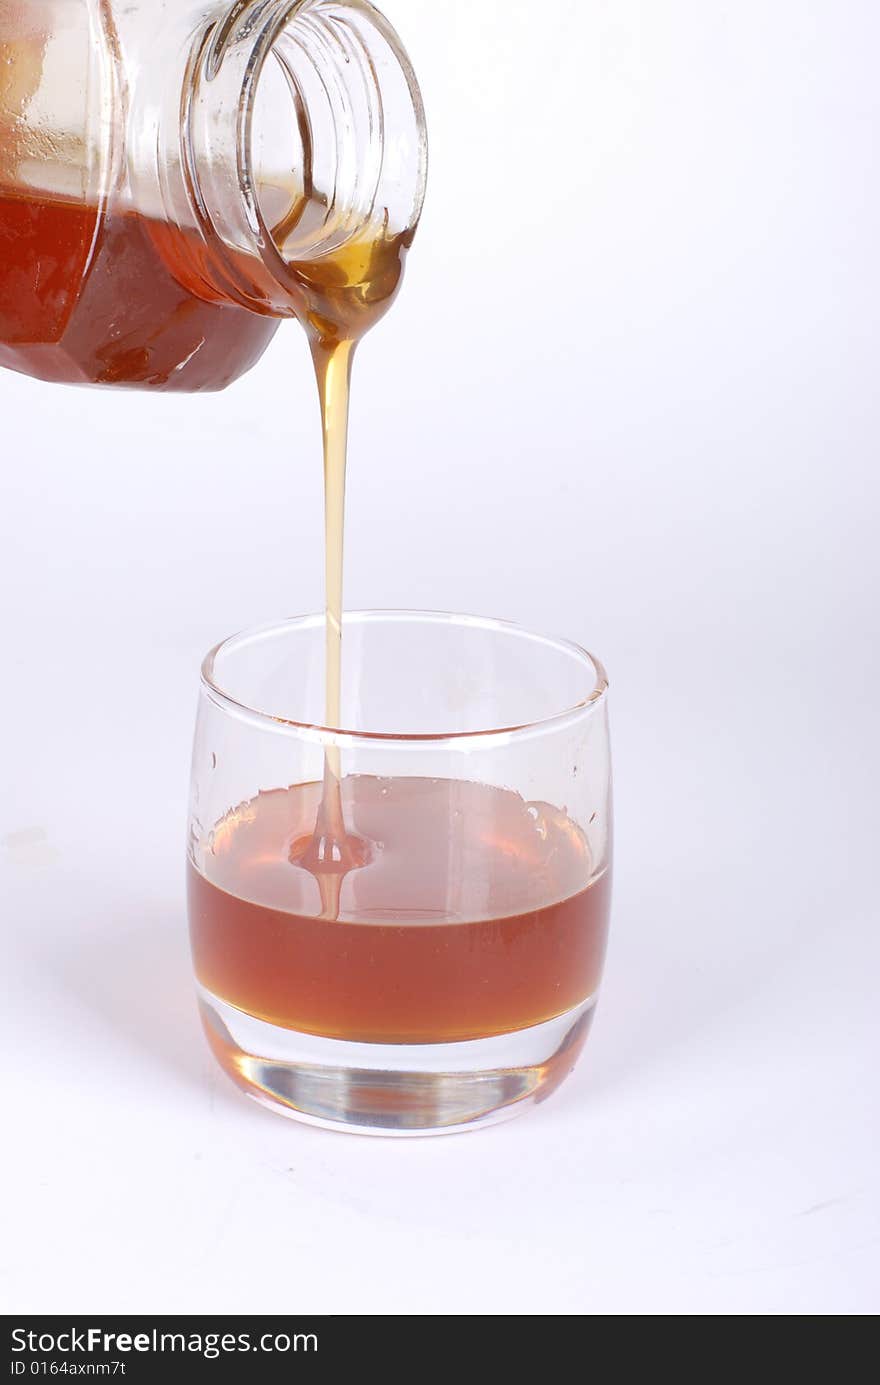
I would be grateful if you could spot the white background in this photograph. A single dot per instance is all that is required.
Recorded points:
(629, 395)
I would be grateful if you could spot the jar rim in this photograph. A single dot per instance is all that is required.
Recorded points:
(278, 15)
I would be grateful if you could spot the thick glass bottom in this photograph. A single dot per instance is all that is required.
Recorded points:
(393, 1089)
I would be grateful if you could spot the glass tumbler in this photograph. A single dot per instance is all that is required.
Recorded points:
(432, 964)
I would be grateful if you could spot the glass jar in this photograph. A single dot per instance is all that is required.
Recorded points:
(172, 172)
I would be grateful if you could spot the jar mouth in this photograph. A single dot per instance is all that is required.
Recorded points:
(592, 692)
(353, 200)
(300, 129)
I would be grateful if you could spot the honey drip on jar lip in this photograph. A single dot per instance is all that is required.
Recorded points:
(341, 294)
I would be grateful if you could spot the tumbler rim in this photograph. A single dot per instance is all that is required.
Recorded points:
(589, 661)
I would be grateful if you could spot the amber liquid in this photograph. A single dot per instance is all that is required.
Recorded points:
(93, 300)
(476, 914)
(119, 298)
